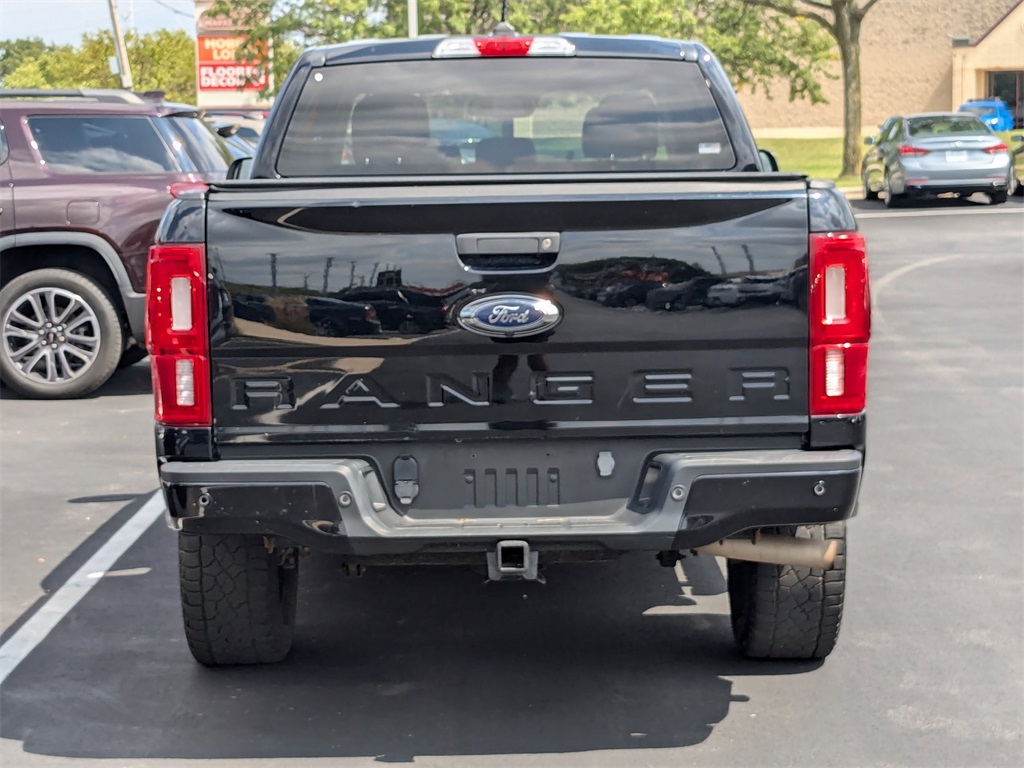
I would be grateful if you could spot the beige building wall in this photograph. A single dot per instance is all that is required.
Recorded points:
(1000, 51)
(906, 66)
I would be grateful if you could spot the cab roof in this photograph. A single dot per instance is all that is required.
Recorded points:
(604, 46)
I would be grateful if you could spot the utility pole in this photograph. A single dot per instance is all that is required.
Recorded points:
(327, 272)
(124, 68)
(414, 18)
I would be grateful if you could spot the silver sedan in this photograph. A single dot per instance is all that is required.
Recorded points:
(936, 153)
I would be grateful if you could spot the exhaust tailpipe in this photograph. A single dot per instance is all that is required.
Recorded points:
(776, 550)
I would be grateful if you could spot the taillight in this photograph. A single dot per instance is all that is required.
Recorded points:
(503, 46)
(840, 317)
(470, 47)
(177, 334)
(180, 188)
(1000, 147)
(908, 151)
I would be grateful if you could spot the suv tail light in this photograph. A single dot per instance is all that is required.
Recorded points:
(840, 317)
(177, 334)
(908, 151)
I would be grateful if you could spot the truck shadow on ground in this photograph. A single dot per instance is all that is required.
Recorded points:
(396, 664)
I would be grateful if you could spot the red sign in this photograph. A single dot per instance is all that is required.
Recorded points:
(220, 68)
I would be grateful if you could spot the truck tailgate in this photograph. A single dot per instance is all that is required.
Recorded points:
(682, 305)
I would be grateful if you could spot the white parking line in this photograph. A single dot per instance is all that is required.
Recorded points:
(903, 214)
(62, 602)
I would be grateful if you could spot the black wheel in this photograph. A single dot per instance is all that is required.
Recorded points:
(132, 355)
(786, 612)
(409, 327)
(238, 599)
(892, 200)
(869, 194)
(997, 198)
(62, 337)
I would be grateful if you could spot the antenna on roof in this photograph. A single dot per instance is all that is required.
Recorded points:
(503, 28)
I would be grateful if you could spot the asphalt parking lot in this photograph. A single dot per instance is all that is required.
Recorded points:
(624, 663)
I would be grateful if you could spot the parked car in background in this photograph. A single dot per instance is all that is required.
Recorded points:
(84, 182)
(994, 113)
(249, 122)
(936, 153)
(1017, 152)
(246, 128)
(239, 146)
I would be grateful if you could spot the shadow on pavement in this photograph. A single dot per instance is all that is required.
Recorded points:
(396, 664)
(133, 380)
(979, 201)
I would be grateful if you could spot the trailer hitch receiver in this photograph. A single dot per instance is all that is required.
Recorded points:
(512, 561)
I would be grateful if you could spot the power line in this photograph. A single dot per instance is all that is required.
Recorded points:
(172, 9)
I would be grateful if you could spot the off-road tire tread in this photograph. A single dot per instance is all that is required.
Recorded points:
(787, 612)
(111, 334)
(238, 603)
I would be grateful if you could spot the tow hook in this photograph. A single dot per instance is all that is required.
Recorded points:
(512, 561)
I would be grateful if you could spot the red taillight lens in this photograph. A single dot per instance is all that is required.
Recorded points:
(908, 151)
(840, 317)
(503, 46)
(1000, 147)
(179, 188)
(177, 334)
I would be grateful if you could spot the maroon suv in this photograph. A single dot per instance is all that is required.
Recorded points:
(83, 185)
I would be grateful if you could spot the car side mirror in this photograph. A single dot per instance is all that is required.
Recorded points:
(869, 141)
(240, 168)
(768, 162)
(227, 130)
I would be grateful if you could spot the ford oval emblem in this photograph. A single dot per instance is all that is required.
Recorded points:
(510, 315)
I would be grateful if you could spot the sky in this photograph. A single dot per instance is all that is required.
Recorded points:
(65, 21)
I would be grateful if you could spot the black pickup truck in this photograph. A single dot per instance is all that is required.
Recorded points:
(610, 325)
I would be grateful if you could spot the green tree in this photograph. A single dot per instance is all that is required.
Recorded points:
(754, 48)
(842, 20)
(162, 60)
(14, 53)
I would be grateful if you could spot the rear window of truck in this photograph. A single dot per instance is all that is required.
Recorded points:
(505, 115)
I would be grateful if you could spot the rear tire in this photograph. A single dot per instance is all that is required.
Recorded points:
(892, 200)
(997, 198)
(59, 297)
(786, 612)
(869, 194)
(237, 599)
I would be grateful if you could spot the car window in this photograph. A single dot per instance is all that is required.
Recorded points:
(883, 131)
(980, 111)
(893, 129)
(208, 151)
(4, 150)
(100, 144)
(512, 115)
(945, 125)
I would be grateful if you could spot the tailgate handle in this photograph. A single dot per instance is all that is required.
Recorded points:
(508, 243)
